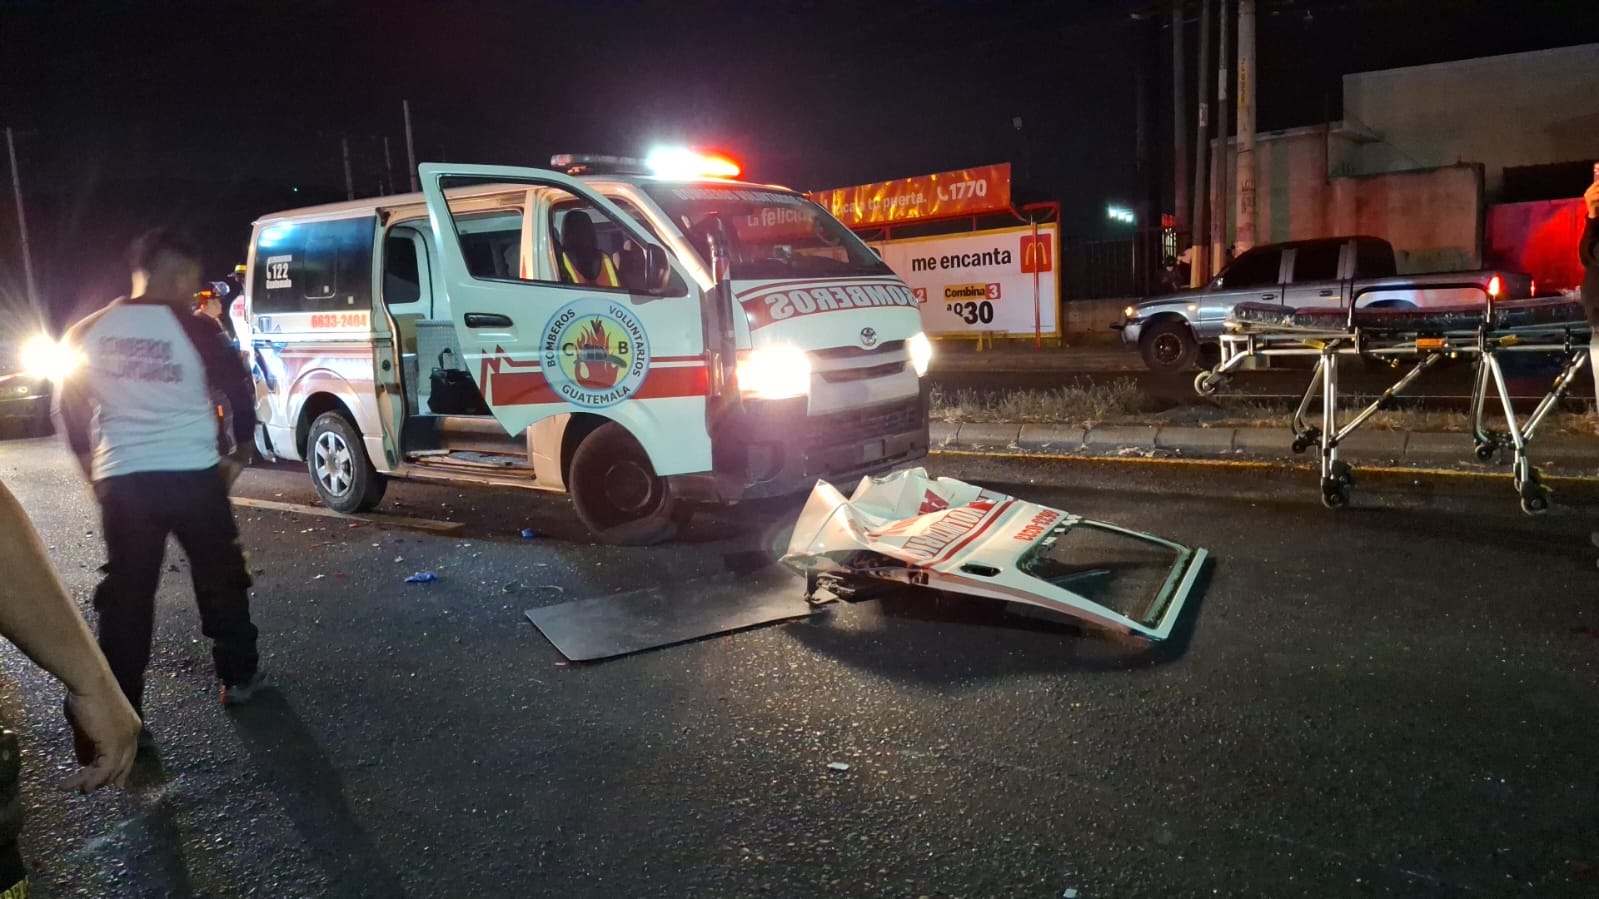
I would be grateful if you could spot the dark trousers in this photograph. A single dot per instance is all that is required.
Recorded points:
(137, 512)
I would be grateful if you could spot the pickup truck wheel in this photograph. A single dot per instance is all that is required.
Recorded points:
(1168, 346)
(617, 494)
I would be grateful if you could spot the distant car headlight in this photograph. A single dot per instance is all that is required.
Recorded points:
(42, 357)
(921, 352)
(775, 373)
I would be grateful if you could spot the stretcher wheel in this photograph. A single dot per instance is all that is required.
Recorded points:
(1486, 451)
(1343, 474)
(1206, 384)
(1300, 445)
(1333, 494)
(1534, 495)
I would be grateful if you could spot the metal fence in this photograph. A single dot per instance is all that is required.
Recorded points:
(1129, 267)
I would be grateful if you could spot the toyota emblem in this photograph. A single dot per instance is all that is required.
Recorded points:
(868, 337)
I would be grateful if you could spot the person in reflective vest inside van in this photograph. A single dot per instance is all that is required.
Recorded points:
(582, 260)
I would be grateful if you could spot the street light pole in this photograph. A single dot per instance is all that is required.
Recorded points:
(22, 221)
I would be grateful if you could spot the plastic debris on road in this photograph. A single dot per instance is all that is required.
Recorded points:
(422, 577)
(910, 529)
(838, 766)
(529, 533)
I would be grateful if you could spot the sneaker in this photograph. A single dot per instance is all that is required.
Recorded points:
(239, 694)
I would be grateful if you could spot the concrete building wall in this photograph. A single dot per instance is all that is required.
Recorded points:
(1513, 110)
(1432, 217)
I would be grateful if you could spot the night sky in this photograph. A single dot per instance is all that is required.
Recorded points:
(207, 114)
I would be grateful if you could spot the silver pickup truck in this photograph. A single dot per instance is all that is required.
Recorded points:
(1171, 330)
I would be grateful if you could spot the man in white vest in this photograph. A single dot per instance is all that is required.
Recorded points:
(139, 415)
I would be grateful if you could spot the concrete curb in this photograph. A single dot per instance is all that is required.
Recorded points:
(1417, 448)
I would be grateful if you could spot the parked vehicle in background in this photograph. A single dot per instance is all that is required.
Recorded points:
(27, 365)
(1171, 331)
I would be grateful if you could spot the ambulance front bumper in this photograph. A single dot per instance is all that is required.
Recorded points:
(774, 448)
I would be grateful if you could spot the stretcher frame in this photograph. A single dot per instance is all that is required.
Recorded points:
(1485, 343)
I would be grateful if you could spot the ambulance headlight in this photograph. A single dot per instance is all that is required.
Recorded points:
(921, 351)
(42, 357)
(775, 373)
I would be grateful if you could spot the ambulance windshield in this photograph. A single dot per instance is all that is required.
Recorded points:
(774, 234)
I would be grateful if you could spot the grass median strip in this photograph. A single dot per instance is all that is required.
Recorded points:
(1121, 402)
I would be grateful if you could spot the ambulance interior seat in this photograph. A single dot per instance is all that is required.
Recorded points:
(594, 240)
(579, 245)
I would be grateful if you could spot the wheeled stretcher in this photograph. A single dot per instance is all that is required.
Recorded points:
(1421, 339)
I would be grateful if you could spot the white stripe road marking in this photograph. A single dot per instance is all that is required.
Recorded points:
(398, 521)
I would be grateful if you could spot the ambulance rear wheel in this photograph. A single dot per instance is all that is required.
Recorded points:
(343, 475)
(617, 494)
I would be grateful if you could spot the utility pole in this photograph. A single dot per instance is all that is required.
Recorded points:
(410, 146)
(1179, 129)
(1200, 264)
(349, 182)
(1246, 125)
(1221, 199)
(388, 167)
(22, 222)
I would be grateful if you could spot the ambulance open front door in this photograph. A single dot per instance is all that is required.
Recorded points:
(557, 315)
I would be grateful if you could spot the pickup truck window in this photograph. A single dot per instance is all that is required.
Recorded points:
(1256, 268)
(1317, 262)
(1374, 259)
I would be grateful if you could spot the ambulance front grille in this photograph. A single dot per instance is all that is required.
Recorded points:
(859, 425)
(853, 353)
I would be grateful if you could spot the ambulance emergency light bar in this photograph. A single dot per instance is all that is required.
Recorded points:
(662, 162)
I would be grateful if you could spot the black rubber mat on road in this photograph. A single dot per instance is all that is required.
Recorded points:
(604, 627)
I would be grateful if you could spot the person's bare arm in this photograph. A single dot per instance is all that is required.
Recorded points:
(40, 618)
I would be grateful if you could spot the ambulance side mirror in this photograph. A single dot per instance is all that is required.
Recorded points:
(657, 270)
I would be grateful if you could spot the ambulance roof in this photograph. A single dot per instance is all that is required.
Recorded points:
(370, 205)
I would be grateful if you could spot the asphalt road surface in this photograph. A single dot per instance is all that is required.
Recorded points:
(1393, 700)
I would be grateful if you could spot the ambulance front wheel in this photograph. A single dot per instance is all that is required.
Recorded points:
(343, 475)
(617, 494)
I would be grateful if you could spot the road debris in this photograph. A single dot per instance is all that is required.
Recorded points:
(910, 529)
(421, 577)
(838, 766)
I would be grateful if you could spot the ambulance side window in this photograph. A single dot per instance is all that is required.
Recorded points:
(589, 248)
(321, 266)
(566, 240)
(402, 267)
(490, 231)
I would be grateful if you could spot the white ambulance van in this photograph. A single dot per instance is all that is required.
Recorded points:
(643, 341)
